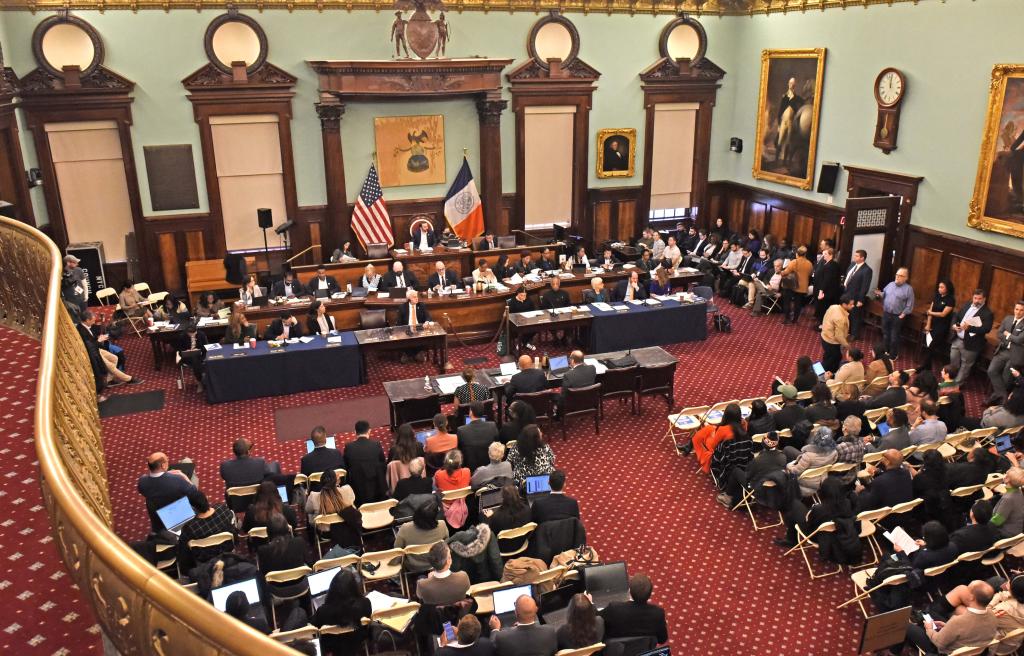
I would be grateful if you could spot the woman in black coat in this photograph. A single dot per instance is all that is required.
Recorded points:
(512, 513)
(345, 605)
(283, 551)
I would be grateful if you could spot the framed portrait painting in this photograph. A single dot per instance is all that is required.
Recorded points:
(787, 116)
(616, 150)
(410, 150)
(998, 201)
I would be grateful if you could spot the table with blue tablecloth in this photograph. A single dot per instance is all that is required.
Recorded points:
(669, 322)
(236, 374)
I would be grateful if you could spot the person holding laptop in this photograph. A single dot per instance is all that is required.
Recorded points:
(512, 513)
(161, 486)
(637, 617)
(527, 637)
(209, 520)
(322, 457)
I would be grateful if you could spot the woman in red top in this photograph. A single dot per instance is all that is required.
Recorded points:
(710, 436)
(453, 476)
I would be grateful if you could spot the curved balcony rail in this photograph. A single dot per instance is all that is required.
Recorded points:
(141, 610)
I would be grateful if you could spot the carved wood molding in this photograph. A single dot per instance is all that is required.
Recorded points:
(409, 78)
(102, 81)
(666, 72)
(887, 181)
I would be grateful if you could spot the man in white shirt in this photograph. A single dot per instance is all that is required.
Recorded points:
(671, 253)
(424, 236)
(631, 289)
(658, 246)
(772, 289)
(323, 284)
(483, 273)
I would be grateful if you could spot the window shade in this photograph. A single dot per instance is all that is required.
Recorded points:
(548, 154)
(672, 159)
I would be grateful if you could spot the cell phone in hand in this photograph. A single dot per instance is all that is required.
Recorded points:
(928, 619)
(449, 631)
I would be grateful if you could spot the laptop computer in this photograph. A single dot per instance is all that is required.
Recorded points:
(537, 486)
(359, 292)
(606, 583)
(186, 468)
(321, 293)
(505, 602)
(1004, 443)
(310, 447)
(421, 436)
(282, 491)
(819, 370)
(318, 585)
(490, 499)
(558, 365)
(507, 241)
(251, 588)
(175, 514)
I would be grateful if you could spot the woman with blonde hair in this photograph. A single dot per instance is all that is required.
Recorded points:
(238, 326)
(334, 499)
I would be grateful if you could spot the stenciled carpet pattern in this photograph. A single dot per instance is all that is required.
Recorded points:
(726, 589)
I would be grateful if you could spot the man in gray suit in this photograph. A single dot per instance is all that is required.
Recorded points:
(1009, 353)
(857, 284)
(580, 374)
(527, 637)
(898, 436)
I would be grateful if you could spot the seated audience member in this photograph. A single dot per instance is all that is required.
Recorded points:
(833, 506)
(978, 535)
(245, 469)
(250, 291)
(238, 331)
(724, 279)
(161, 486)
(475, 437)
(319, 322)
(924, 388)
(596, 293)
(1008, 607)
(805, 379)
(209, 305)
(266, 504)
(889, 487)
(881, 367)
(190, 350)
(851, 447)
(760, 421)
(671, 257)
(284, 327)
(468, 641)
(488, 243)
(104, 362)
(453, 476)
(442, 278)
(557, 505)
(930, 485)
(898, 436)
(415, 482)
(366, 467)
(850, 372)
(555, 297)
(442, 586)
(130, 300)
(483, 273)
(527, 380)
(404, 448)
(583, 626)
(282, 551)
(928, 429)
(337, 499)
(818, 452)
(497, 468)
(710, 435)
(425, 528)
(237, 606)
(765, 286)
(970, 623)
(345, 605)
(731, 454)
(580, 373)
(172, 309)
(520, 415)
(527, 636)
(947, 380)
(822, 410)
(936, 549)
(631, 289)
(530, 455)
(370, 280)
(637, 617)
(471, 391)
(661, 282)
(442, 441)
(790, 414)
(765, 463)
(512, 513)
(322, 457)
(1008, 514)
(288, 286)
(1008, 415)
(657, 246)
(209, 520)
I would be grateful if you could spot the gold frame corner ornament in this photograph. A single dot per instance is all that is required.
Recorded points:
(767, 56)
(629, 134)
(976, 217)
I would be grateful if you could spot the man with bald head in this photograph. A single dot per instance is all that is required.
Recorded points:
(161, 486)
(970, 622)
(890, 486)
(527, 637)
(527, 380)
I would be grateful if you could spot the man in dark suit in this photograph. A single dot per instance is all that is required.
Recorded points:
(289, 286)
(322, 457)
(161, 486)
(191, 351)
(322, 283)
(1009, 353)
(476, 436)
(524, 266)
(488, 243)
(413, 308)
(397, 278)
(442, 277)
(366, 466)
(857, 285)
(548, 261)
(978, 534)
(245, 469)
(607, 259)
(556, 505)
(638, 617)
(424, 237)
(827, 287)
(646, 264)
(555, 297)
(104, 362)
(284, 327)
(891, 396)
(969, 340)
(528, 379)
(733, 277)
(580, 374)
(527, 637)
(892, 486)
(898, 436)
(631, 289)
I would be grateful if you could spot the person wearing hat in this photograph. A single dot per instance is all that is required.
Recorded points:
(190, 350)
(74, 284)
(790, 414)
(765, 463)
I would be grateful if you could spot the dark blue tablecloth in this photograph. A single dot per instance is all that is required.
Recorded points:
(254, 373)
(647, 325)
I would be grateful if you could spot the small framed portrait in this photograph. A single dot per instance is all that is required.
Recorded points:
(616, 152)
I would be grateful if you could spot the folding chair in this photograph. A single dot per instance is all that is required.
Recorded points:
(966, 491)
(214, 540)
(687, 421)
(377, 515)
(240, 497)
(906, 506)
(330, 563)
(861, 590)
(398, 618)
(142, 288)
(308, 632)
(156, 298)
(1012, 431)
(524, 531)
(815, 472)
(997, 553)
(168, 564)
(874, 415)
(481, 594)
(381, 566)
(806, 543)
(868, 530)
(284, 577)
(104, 295)
(713, 415)
(708, 295)
(1007, 644)
(322, 525)
(748, 501)
(414, 550)
(938, 570)
(950, 447)
(770, 301)
(582, 651)
(553, 576)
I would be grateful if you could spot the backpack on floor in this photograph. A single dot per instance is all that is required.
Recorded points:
(739, 295)
(723, 324)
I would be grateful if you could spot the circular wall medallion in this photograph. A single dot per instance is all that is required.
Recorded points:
(414, 225)
(683, 38)
(553, 37)
(60, 41)
(235, 37)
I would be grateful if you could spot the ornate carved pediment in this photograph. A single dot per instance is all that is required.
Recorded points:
(102, 80)
(577, 70)
(666, 70)
(209, 77)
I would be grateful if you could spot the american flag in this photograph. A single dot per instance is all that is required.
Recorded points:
(370, 219)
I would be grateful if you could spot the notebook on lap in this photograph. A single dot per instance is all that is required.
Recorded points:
(505, 602)
(174, 515)
(606, 583)
(490, 499)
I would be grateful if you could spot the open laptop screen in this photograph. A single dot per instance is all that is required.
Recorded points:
(537, 484)
(176, 513)
(330, 444)
(611, 577)
(422, 436)
(250, 587)
(319, 582)
(558, 362)
(505, 599)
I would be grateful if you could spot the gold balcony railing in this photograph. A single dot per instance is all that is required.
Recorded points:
(141, 610)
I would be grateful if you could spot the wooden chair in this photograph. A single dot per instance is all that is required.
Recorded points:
(580, 402)
(685, 423)
(284, 577)
(805, 543)
(657, 381)
(620, 384)
(524, 531)
(381, 566)
(542, 402)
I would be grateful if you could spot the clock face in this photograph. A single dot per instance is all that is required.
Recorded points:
(890, 88)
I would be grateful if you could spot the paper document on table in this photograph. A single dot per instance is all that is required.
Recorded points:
(652, 301)
(974, 321)
(500, 287)
(448, 384)
(597, 365)
(566, 275)
(515, 279)
(212, 347)
(509, 368)
(380, 601)
(662, 297)
(161, 324)
(502, 380)
(400, 251)
(292, 340)
(307, 339)
(635, 302)
(383, 295)
(583, 308)
(203, 321)
(901, 539)
(628, 265)
(564, 310)
(689, 270)
(334, 340)
(604, 307)
(530, 314)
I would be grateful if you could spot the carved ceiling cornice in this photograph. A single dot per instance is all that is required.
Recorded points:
(666, 70)
(695, 7)
(268, 76)
(531, 71)
(40, 82)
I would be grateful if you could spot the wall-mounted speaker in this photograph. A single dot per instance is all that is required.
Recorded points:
(827, 177)
(266, 217)
(736, 145)
(234, 268)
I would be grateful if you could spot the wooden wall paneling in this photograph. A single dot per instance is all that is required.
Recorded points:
(168, 252)
(714, 210)
(602, 222)
(756, 217)
(627, 227)
(925, 265)
(314, 235)
(737, 210)
(13, 186)
(803, 232)
(195, 245)
(828, 231)
(779, 225)
(1006, 289)
(965, 274)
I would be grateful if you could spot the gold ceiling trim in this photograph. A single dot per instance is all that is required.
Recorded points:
(695, 7)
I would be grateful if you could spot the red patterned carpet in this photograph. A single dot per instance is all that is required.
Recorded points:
(725, 588)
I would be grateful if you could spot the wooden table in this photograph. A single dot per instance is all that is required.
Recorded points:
(398, 391)
(431, 336)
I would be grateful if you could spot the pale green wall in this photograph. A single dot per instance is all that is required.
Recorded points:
(157, 50)
(946, 50)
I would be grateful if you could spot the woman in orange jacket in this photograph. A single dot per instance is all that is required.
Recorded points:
(710, 436)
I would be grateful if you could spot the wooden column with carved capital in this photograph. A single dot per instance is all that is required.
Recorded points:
(337, 229)
(489, 110)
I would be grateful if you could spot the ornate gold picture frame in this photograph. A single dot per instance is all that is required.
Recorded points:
(998, 201)
(788, 109)
(616, 152)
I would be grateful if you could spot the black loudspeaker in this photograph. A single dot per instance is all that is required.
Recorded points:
(827, 177)
(234, 268)
(736, 145)
(266, 217)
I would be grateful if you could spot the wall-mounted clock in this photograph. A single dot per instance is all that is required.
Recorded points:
(890, 89)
